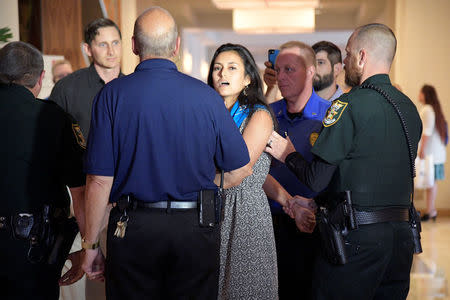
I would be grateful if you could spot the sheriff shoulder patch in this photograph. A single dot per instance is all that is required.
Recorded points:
(79, 135)
(334, 113)
(313, 137)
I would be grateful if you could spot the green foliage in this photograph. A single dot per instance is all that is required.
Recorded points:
(5, 34)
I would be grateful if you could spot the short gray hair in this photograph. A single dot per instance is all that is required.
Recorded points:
(20, 63)
(305, 50)
(157, 44)
(380, 39)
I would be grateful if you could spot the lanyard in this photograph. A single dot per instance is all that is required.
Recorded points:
(239, 113)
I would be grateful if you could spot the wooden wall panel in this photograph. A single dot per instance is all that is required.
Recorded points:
(113, 9)
(62, 30)
(30, 22)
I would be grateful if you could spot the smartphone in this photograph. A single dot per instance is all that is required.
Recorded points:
(272, 54)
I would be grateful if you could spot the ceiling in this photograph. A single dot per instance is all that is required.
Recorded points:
(330, 14)
(204, 27)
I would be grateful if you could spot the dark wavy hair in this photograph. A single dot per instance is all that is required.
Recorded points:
(333, 52)
(254, 91)
(431, 98)
(92, 28)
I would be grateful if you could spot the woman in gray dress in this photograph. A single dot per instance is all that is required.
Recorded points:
(248, 266)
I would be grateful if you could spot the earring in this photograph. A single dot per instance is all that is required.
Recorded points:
(245, 90)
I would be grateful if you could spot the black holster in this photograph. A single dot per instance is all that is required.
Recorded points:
(416, 228)
(210, 206)
(332, 241)
(334, 223)
(50, 234)
(337, 219)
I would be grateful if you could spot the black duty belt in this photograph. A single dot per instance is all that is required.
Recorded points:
(382, 215)
(168, 204)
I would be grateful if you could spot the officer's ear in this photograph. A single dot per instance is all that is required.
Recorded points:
(41, 77)
(177, 47)
(337, 69)
(310, 72)
(36, 89)
(87, 49)
(362, 57)
(133, 46)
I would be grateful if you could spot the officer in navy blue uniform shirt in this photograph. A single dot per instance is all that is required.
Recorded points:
(157, 135)
(299, 115)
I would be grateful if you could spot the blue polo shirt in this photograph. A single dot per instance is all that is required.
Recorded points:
(161, 134)
(303, 131)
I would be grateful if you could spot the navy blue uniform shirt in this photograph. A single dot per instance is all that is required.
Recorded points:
(161, 134)
(303, 131)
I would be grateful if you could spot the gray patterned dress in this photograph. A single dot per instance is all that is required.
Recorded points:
(248, 262)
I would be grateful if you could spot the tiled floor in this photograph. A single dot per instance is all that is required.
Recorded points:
(431, 269)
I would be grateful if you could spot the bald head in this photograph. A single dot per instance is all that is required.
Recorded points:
(155, 34)
(378, 40)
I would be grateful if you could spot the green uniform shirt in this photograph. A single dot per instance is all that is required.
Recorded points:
(363, 136)
(42, 152)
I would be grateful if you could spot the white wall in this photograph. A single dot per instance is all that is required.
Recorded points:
(422, 29)
(9, 17)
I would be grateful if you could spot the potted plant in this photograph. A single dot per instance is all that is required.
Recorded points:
(5, 34)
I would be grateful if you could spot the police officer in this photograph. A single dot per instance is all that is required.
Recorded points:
(362, 149)
(299, 115)
(41, 153)
(155, 140)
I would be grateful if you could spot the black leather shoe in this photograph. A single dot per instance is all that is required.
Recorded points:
(434, 216)
(425, 217)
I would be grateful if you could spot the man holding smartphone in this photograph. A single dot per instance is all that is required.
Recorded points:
(299, 115)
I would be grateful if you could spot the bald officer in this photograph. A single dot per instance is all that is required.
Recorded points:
(362, 149)
(156, 139)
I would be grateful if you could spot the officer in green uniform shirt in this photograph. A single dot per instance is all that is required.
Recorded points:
(42, 153)
(363, 149)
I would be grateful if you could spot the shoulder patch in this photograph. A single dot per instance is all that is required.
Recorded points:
(79, 135)
(313, 137)
(334, 113)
